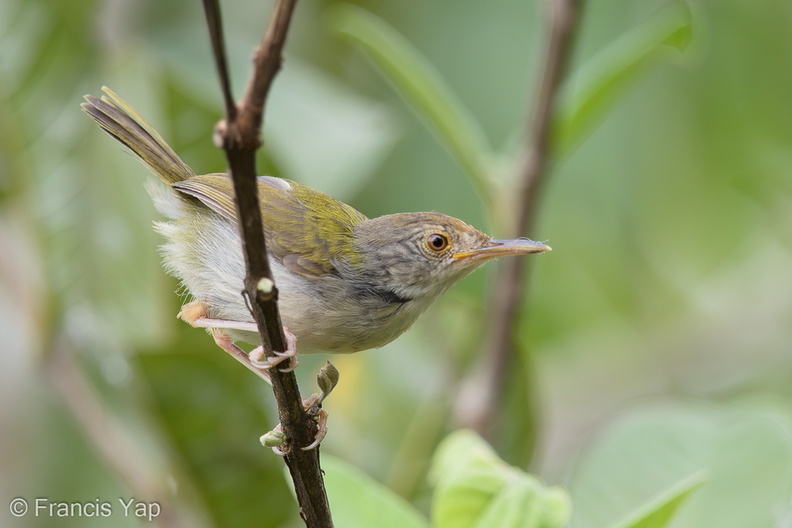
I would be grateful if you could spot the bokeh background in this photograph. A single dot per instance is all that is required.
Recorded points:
(660, 327)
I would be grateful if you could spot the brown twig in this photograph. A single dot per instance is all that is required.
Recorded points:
(513, 278)
(239, 135)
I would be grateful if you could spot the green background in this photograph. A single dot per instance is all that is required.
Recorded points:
(660, 326)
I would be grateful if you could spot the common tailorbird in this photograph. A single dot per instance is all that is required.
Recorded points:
(346, 282)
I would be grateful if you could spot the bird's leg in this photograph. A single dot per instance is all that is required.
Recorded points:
(225, 342)
(194, 313)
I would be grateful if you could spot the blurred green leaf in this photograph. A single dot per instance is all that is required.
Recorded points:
(358, 501)
(475, 489)
(423, 88)
(747, 453)
(515, 507)
(590, 93)
(467, 475)
(209, 408)
(658, 512)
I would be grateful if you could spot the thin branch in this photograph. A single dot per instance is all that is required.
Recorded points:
(513, 278)
(214, 21)
(267, 62)
(239, 135)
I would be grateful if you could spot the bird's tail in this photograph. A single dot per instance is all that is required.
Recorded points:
(117, 118)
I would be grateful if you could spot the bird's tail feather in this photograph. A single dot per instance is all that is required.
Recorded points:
(121, 121)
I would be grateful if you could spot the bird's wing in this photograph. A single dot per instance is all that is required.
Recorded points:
(307, 230)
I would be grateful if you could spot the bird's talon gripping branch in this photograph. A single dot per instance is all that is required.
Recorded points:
(321, 422)
(258, 360)
(327, 379)
(276, 439)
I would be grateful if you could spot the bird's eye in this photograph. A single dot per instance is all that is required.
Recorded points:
(437, 242)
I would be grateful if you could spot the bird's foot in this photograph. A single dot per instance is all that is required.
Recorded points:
(327, 379)
(277, 441)
(258, 360)
(313, 406)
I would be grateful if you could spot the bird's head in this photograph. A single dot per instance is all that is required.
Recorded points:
(420, 255)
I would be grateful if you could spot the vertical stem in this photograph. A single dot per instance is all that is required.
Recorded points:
(482, 395)
(239, 135)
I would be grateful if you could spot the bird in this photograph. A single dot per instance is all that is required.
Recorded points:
(346, 282)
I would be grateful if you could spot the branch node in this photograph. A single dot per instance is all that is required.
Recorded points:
(266, 288)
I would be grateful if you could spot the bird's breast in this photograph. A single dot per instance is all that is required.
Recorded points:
(332, 314)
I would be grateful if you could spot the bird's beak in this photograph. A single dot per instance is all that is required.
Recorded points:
(498, 248)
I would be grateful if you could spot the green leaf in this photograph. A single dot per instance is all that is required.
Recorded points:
(467, 475)
(475, 489)
(659, 511)
(423, 88)
(747, 451)
(357, 500)
(515, 507)
(598, 86)
(461, 452)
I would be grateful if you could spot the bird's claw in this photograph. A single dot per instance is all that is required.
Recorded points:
(321, 423)
(276, 439)
(290, 354)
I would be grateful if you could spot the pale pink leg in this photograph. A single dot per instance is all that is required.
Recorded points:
(194, 313)
(225, 342)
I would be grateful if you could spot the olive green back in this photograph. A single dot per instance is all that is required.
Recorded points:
(306, 229)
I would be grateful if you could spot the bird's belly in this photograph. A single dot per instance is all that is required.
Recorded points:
(324, 330)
